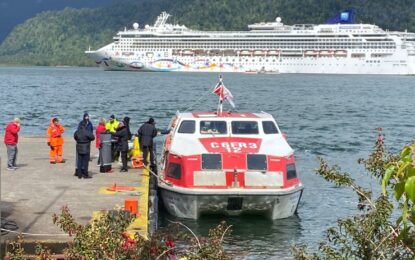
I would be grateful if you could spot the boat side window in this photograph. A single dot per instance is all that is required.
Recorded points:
(291, 171)
(174, 171)
(269, 127)
(244, 127)
(211, 161)
(257, 162)
(213, 127)
(187, 127)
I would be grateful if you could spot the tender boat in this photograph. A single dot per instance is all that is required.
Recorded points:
(229, 163)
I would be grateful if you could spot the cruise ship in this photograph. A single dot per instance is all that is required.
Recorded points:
(340, 46)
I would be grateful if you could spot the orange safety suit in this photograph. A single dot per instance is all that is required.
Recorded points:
(55, 141)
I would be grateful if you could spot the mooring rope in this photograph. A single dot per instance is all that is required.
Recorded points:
(197, 101)
(31, 234)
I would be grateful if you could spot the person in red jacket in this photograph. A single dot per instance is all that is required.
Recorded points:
(55, 141)
(98, 131)
(11, 137)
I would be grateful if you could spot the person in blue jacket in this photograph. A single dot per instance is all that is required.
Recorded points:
(89, 127)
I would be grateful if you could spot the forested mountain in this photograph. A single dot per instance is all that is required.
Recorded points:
(13, 12)
(61, 37)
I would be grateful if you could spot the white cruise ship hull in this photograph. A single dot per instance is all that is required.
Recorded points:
(393, 65)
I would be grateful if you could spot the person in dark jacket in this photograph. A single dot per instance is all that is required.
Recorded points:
(122, 144)
(83, 138)
(126, 122)
(146, 133)
(85, 120)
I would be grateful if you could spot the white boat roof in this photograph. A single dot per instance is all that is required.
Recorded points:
(225, 115)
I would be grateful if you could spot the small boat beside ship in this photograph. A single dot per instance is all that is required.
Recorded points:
(229, 163)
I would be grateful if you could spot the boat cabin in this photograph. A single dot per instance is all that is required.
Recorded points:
(228, 150)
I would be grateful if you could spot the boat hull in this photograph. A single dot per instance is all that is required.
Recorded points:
(192, 203)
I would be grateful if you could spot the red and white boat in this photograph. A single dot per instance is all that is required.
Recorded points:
(228, 163)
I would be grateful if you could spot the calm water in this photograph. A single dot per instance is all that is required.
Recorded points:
(333, 116)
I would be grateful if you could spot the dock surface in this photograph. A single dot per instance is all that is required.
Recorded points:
(35, 191)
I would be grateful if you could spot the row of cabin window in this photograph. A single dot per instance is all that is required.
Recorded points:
(220, 127)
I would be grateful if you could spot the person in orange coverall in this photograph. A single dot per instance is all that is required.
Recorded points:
(55, 141)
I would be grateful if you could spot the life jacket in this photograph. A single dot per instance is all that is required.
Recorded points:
(112, 126)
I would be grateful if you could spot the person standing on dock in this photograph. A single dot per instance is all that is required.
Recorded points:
(88, 123)
(112, 124)
(126, 122)
(85, 120)
(146, 133)
(11, 137)
(83, 138)
(122, 144)
(55, 141)
(99, 130)
(111, 127)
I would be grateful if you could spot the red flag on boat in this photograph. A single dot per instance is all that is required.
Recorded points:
(223, 93)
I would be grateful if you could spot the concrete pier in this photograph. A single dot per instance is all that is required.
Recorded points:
(37, 189)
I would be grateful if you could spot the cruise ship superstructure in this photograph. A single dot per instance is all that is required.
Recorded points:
(337, 48)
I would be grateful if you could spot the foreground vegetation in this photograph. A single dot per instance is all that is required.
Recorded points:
(61, 37)
(105, 238)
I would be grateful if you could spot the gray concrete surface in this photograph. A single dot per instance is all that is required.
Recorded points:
(32, 193)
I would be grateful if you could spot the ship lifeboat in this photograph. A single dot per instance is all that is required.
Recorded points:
(228, 163)
(340, 53)
(259, 53)
(245, 53)
(188, 52)
(273, 53)
(311, 53)
(326, 53)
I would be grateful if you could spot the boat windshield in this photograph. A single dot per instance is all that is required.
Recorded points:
(187, 127)
(244, 127)
(213, 127)
(269, 127)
